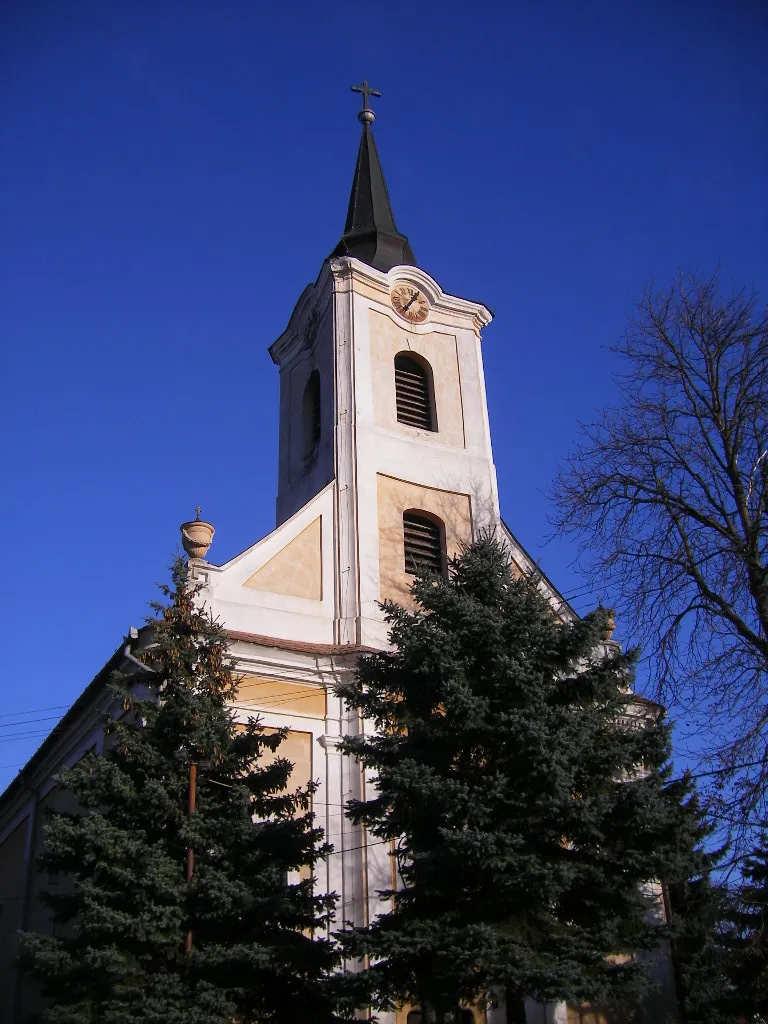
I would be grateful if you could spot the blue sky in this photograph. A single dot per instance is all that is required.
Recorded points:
(172, 175)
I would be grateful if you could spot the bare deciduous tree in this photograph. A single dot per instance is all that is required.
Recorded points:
(667, 493)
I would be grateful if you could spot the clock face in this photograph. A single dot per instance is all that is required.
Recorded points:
(410, 303)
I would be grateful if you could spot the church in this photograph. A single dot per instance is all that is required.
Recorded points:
(385, 462)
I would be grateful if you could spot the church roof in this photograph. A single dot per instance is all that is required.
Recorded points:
(370, 233)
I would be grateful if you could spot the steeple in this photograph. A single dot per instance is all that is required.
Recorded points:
(370, 233)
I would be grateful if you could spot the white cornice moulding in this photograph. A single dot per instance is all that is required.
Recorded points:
(347, 266)
(315, 295)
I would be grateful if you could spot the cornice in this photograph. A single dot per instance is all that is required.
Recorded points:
(300, 646)
(347, 268)
(309, 312)
(305, 320)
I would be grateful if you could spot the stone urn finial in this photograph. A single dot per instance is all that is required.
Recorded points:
(610, 622)
(610, 619)
(196, 536)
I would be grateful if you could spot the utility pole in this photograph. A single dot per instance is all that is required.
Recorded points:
(190, 850)
(182, 755)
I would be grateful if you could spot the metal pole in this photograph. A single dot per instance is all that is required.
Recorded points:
(190, 851)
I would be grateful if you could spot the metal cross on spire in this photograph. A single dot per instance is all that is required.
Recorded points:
(366, 115)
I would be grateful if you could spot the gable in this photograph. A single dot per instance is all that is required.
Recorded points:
(296, 570)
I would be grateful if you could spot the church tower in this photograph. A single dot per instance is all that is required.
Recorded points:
(382, 398)
(385, 462)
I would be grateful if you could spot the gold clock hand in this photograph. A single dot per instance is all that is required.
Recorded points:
(410, 302)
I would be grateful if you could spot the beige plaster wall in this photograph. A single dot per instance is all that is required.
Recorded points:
(297, 748)
(440, 351)
(297, 570)
(397, 496)
(276, 695)
(401, 1015)
(364, 287)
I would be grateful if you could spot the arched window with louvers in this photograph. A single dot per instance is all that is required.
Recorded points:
(311, 416)
(423, 542)
(414, 392)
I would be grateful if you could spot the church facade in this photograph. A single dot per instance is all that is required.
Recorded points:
(385, 461)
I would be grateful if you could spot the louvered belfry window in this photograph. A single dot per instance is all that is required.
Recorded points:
(423, 543)
(413, 393)
(311, 414)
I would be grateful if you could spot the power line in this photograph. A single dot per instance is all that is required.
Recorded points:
(29, 721)
(270, 701)
(302, 694)
(33, 711)
(278, 682)
(594, 587)
(265, 702)
(65, 707)
(25, 735)
(352, 849)
(582, 591)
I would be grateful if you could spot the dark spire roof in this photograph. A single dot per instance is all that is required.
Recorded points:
(370, 233)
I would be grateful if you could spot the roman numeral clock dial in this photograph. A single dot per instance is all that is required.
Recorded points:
(410, 303)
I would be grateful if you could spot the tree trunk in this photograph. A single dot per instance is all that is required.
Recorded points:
(515, 1004)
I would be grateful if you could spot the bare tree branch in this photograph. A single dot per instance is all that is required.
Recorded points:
(667, 493)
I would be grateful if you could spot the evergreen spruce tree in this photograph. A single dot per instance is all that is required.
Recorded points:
(256, 926)
(700, 913)
(529, 812)
(749, 939)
